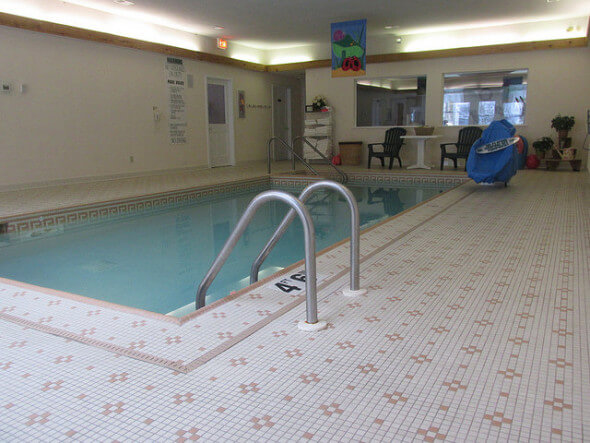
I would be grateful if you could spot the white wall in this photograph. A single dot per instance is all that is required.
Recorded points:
(88, 107)
(557, 83)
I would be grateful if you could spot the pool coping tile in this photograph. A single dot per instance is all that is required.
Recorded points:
(261, 301)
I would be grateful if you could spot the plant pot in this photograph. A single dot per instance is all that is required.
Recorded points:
(540, 154)
(564, 143)
(562, 133)
(568, 154)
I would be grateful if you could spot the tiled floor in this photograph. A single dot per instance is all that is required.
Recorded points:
(475, 328)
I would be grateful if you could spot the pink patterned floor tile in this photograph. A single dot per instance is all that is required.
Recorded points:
(475, 328)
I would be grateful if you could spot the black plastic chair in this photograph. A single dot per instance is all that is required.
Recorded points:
(391, 147)
(467, 136)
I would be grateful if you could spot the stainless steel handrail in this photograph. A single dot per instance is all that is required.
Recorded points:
(317, 151)
(354, 233)
(290, 149)
(309, 237)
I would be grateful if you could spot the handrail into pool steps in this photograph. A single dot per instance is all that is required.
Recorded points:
(354, 235)
(290, 149)
(327, 160)
(312, 323)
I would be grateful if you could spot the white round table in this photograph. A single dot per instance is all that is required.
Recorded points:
(420, 142)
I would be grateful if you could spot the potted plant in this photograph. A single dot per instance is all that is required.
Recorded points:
(562, 124)
(319, 102)
(543, 145)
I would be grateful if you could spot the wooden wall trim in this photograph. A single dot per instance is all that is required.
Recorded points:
(30, 24)
(446, 53)
(126, 42)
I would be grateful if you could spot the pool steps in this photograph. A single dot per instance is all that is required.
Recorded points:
(290, 149)
(297, 208)
(309, 238)
(354, 234)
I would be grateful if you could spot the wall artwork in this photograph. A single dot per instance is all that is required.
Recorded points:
(241, 104)
(349, 44)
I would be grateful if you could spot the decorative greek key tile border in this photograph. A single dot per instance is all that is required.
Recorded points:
(103, 211)
(375, 178)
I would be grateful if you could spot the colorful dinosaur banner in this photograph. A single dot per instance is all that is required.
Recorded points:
(349, 44)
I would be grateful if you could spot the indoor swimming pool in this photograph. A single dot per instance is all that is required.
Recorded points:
(156, 261)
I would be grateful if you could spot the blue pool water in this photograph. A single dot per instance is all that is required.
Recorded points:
(156, 262)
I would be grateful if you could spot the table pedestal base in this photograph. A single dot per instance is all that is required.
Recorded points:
(419, 166)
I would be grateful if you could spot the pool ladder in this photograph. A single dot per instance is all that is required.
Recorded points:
(297, 208)
(289, 148)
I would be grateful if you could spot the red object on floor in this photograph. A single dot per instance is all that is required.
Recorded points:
(532, 161)
(336, 160)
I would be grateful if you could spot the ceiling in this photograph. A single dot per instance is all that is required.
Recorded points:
(271, 25)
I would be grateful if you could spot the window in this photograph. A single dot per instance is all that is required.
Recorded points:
(391, 101)
(478, 98)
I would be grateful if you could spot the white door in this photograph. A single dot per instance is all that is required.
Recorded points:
(281, 120)
(220, 122)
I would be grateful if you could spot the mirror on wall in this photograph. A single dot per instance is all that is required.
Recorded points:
(478, 98)
(391, 101)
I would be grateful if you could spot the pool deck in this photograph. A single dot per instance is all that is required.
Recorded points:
(475, 328)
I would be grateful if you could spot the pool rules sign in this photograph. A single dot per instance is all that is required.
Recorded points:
(176, 84)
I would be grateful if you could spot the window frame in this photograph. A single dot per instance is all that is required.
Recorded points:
(515, 71)
(387, 77)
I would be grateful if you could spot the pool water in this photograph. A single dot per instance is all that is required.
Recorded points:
(156, 262)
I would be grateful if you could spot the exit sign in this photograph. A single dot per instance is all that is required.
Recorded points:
(222, 43)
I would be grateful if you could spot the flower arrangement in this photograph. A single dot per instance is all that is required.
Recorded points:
(319, 101)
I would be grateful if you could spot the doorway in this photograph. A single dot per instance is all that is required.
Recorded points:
(220, 126)
(281, 120)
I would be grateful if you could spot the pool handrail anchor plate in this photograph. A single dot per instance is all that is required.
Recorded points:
(354, 234)
(312, 327)
(353, 292)
(309, 238)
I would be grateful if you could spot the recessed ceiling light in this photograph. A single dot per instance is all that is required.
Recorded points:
(124, 2)
(218, 28)
(392, 27)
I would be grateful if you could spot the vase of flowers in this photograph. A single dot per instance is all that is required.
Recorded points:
(319, 102)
